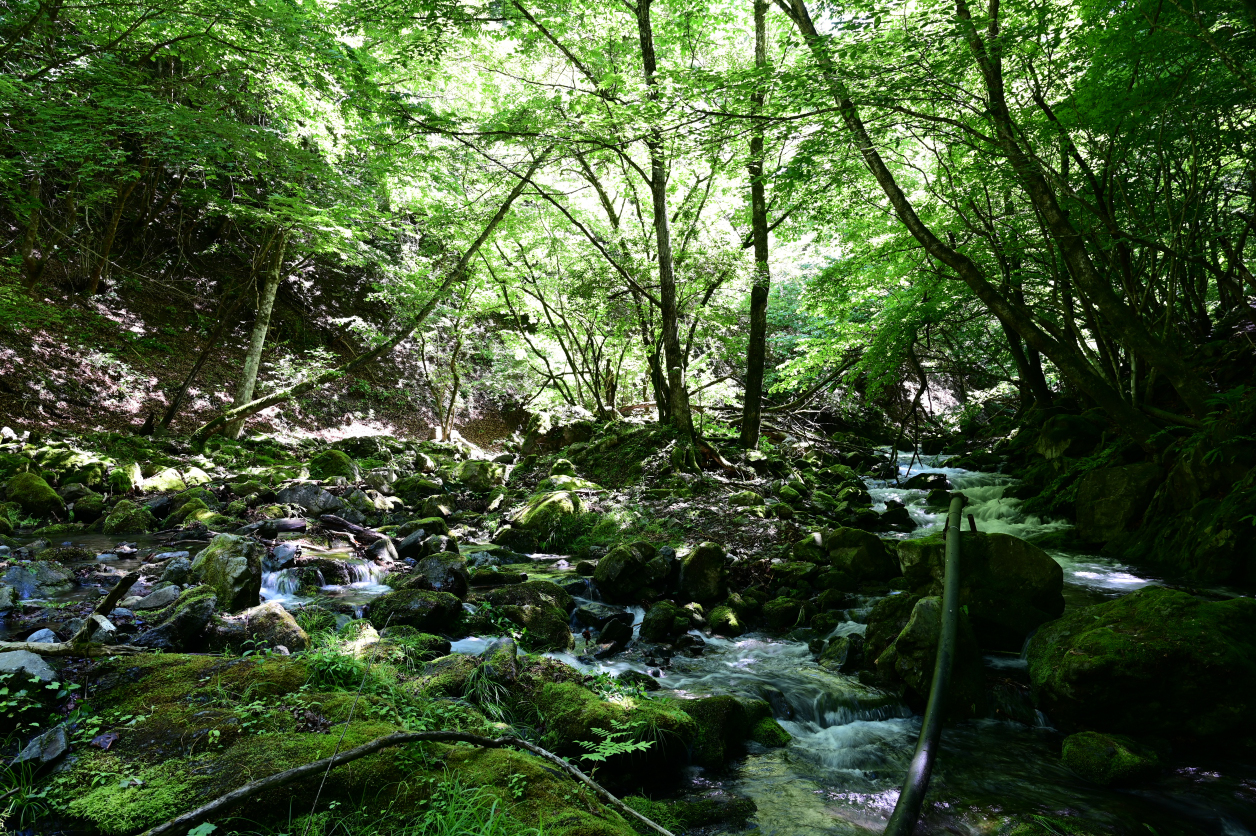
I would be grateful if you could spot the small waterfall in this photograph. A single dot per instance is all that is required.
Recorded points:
(280, 585)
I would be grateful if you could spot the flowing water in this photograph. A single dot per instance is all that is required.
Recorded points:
(852, 744)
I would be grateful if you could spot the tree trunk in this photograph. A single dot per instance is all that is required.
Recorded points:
(1067, 360)
(678, 396)
(459, 270)
(257, 341)
(111, 231)
(756, 349)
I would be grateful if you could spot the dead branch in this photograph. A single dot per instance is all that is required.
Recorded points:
(80, 644)
(180, 825)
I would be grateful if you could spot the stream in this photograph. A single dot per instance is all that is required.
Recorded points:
(852, 743)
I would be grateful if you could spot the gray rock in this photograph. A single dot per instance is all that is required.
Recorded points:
(47, 748)
(121, 612)
(598, 615)
(617, 631)
(106, 557)
(8, 598)
(163, 597)
(26, 662)
(38, 580)
(178, 571)
(105, 632)
(383, 551)
(5, 551)
(232, 566)
(182, 626)
(312, 499)
(44, 636)
(158, 558)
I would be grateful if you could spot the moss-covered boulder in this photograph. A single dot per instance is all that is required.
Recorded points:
(562, 467)
(231, 565)
(34, 495)
(725, 621)
(481, 476)
(89, 508)
(910, 659)
(704, 573)
(423, 609)
(128, 517)
(332, 463)
(573, 715)
(1112, 500)
(625, 572)
(531, 593)
(745, 499)
(166, 480)
(38, 579)
(664, 622)
(725, 722)
(541, 608)
(782, 614)
(447, 676)
(1008, 585)
(545, 511)
(859, 554)
(1154, 662)
(1107, 759)
(14, 463)
(265, 626)
(125, 478)
(181, 626)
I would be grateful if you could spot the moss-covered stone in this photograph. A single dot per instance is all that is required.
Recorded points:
(232, 566)
(35, 496)
(910, 659)
(703, 573)
(782, 613)
(767, 732)
(1157, 661)
(725, 621)
(89, 508)
(332, 463)
(481, 476)
(664, 622)
(1109, 758)
(722, 725)
(544, 511)
(129, 518)
(125, 478)
(426, 610)
(167, 480)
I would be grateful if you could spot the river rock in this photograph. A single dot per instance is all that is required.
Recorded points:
(624, 572)
(1112, 500)
(129, 518)
(481, 476)
(181, 626)
(664, 622)
(443, 572)
(911, 657)
(39, 579)
(1070, 435)
(26, 663)
(423, 609)
(843, 653)
(167, 480)
(703, 573)
(158, 599)
(1107, 759)
(232, 566)
(1008, 585)
(725, 621)
(1155, 662)
(928, 482)
(35, 496)
(267, 625)
(596, 615)
(44, 636)
(178, 571)
(332, 463)
(312, 499)
(545, 511)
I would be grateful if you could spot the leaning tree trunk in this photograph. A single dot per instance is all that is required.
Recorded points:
(111, 231)
(261, 325)
(756, 350)
(678, 396)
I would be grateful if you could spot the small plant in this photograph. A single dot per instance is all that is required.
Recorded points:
(517, 783)
(27, 802)
(612, 743)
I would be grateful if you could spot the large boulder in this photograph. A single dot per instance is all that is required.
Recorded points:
(481, 476)
(129, 518)
(545, 511)
(1009, 586)
(1112, 500)
(542, 608)
(167, 480)
(231, 565)
(443, 572)
(1068, 435)
(311, 498)
(703, 573)
(1109, 758)
(860, 554)
(664, 622)
(625, 572)
(1154, 662)
(267, 625)
(423, 609)
(911, 657)
(332, 463)
(36, 496)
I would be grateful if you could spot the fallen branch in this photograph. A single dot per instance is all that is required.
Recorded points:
(178, 826)
(80, 644)
(340, 524)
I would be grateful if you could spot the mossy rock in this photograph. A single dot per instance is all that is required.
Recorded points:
(767, 732)
(566, 483)
(447, 675)
(781, 614)
(545, 511)
(664, 622)
(724, 621)
(90, 508)
(723, 724)
(124, 479)
(572, 713)
(1155, 662)
(166, 480)
(1107, 759)
(184, 511)
(67, 554)
(232, 566)
(481, 476)
(35, 496)
(13, 463)
(431, 612)
(704, 574)
(129, 518)
(332, 463)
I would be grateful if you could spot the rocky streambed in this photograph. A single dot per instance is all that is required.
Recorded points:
(778, 690)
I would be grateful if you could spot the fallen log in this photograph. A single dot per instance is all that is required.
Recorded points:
(335, 523)
(181, 824)
(80, 644)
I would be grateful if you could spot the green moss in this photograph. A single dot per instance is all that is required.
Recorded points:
(332, 463)
(722, 724)
(129, 518)
(1108, 758)
(768, 732)
(572, 712)
(34, 495)
(127, 802)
